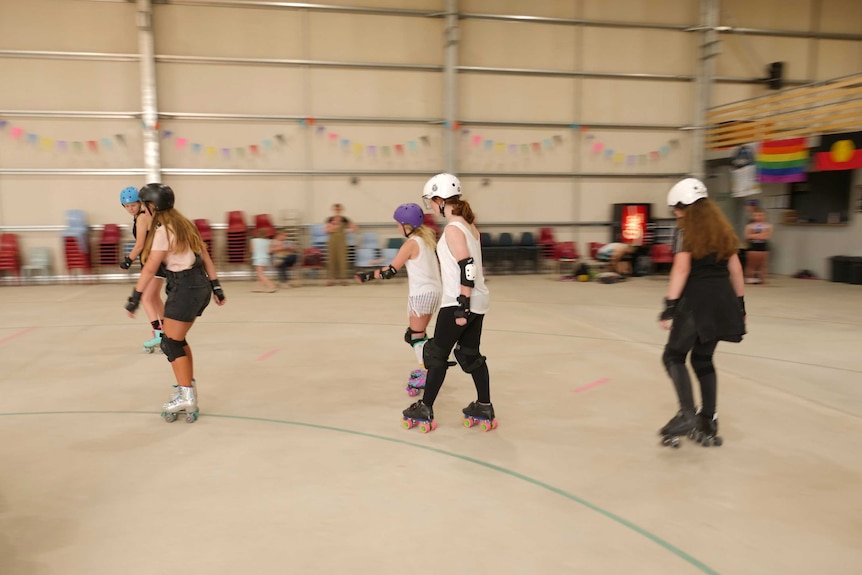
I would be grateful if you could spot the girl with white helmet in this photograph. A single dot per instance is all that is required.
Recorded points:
(152, 298)
(423, 280)
(704, 305)
(465, 301)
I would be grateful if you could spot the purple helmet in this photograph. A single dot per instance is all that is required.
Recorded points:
(409, 214)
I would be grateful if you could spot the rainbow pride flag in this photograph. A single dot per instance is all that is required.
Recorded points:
(780, 161)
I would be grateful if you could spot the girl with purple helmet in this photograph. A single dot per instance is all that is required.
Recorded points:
(419, 255)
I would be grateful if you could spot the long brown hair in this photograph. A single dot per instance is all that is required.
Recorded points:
(706, 231)
(461, 208)
(185, 234)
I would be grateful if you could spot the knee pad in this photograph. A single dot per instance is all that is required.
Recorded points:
(433, 356)
(173, 348)
(469, 359)
(702, 364)
(671, 357)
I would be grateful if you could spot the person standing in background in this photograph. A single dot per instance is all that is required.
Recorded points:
(337, 226)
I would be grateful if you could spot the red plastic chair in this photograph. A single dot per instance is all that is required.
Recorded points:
(565, 253)
(263, 222)
(594, 249)
(206, 233)
(547, 241)
(237, 238)
(109, 245)
(75, 258)
(660, 254)
(10, 255)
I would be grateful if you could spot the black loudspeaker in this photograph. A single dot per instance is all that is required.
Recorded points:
(775, 75)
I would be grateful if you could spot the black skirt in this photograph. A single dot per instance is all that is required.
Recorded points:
(715, 309)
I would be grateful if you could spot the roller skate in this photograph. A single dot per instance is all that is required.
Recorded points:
(706, 431)
(681, 425)
(177, 391)
(155, 343)
(416, 383)
(421, 415)
(185, 401)
(481, 414)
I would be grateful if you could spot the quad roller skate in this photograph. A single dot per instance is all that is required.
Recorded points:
(184, 401)
(421, 415)
(706, 431)
(681, 425)
(416, 383)
(481, 414)
(155, 343)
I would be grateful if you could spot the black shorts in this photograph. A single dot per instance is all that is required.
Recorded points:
(188, 293)
(162, 272)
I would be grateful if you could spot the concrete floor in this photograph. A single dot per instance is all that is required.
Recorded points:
(299, 463)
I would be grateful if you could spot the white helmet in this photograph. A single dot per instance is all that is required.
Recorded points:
(442, 186)
(686, 192)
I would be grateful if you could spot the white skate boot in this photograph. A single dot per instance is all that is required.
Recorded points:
(185, 401)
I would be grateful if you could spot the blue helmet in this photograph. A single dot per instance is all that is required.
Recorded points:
(409, 214)
(129, 196)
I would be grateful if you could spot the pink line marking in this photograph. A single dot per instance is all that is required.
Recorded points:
(14, 335)
(593, 384)
(267, 355)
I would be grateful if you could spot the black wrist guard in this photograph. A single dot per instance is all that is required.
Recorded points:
(388, 273)
(741, 301)
(669, 309)
(218, 293)
(365, 276)
(127, 263)
(134, 301)
(463, 307)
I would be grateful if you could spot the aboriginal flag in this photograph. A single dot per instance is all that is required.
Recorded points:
(839, 152)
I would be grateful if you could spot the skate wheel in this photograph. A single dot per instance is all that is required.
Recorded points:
(670, 441)
(191, 417)
(469, 422)
(427, 426)
(486, 426)
(169, 417)
(148, 350)
(717, 441)
(412, 392)
(494, 424)
(407, 423)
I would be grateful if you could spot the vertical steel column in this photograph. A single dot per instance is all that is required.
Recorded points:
(149, 103)
(450, 81)
(709, 14)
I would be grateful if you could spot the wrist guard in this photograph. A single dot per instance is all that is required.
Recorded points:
(388, 273)
(134, 301)
(669, 309)
(218, 293)
(127, 263)
(463, 307)
(365, 276)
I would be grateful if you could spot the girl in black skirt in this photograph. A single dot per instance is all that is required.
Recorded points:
(704, 305)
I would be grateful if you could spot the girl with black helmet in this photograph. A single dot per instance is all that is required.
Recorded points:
(464, 302)
(704, 305)
(174, 241)
(152, 298)
(423, 280)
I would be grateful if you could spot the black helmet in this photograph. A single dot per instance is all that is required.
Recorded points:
(160, 195)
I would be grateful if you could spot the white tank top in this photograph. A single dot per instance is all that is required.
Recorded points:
(423, 272)
(450, 272)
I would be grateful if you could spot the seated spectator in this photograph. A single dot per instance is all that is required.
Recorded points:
(283, 255)
(261, 260)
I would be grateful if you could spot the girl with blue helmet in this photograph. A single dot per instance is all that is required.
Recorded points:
(151, 299)
(419, 256)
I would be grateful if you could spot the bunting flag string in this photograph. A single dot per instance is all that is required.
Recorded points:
(47, 144)
(481, 142)
(359, 148)
(224, 152)
(629, 158)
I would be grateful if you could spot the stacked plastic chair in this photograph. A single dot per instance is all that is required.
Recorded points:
(237, 238)
(368, 254)
(39, 260)
(109, 246)
(76, 241)
(10, 256)
(264, 222)
(206, 233)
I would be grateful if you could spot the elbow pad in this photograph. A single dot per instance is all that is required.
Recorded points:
(388, 273)
(468, 272)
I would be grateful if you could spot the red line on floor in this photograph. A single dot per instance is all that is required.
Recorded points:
(267, 355)
(14, 335)
(593, 384)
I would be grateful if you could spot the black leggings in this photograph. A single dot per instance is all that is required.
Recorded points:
(683, 338)
(468, 337)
